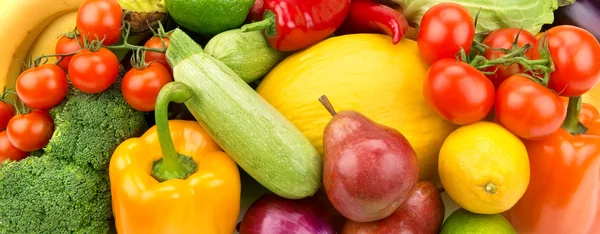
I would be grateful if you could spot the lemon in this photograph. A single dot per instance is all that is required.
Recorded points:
(462, 221)
(365, 73)
(484, 168)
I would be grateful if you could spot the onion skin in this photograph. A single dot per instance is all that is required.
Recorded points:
(271, 214)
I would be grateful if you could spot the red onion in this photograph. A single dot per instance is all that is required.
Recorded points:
(271, 214)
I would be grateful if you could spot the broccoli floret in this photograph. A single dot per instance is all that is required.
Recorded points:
(47, 195)
(89, 127)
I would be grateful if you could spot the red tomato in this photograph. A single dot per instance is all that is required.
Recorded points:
(588, 112)
(42, 87)
(458, 92)
(93, 71)
(30, 132)
(67, 45)
(151, 56)
(444, 29)
(504, 38)
(100, 19)
(140, 87)
(7, 111)
(528, 109)
(8, 151)
(576, 56)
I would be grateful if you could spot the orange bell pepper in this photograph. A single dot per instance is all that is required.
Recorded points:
(564, 189)
(180, 182)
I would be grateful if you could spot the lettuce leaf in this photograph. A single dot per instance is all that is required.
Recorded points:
(529, 15)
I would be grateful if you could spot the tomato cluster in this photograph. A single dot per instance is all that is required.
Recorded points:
(514, 92)
(86, 61)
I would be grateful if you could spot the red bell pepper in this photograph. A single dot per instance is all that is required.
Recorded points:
(370, 17)
(256, 12)
(291, 25)
(564, 189)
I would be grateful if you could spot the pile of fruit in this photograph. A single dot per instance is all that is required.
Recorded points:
(300, 116)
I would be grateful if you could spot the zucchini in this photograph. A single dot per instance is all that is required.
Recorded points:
(247, 53)
(252, 132)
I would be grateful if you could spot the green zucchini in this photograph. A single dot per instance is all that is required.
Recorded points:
(251, 131)
(247, 53)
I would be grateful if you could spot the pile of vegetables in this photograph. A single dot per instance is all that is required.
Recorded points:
(90, 144)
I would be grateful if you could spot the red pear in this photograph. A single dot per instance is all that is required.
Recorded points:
(369, 169)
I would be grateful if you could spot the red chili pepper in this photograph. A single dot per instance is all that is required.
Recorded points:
(256, 12)
(291, 25)
(370, 17)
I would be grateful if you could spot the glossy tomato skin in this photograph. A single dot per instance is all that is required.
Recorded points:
(445, 29)
(156, 43)
(42, 87)
(7, 111)
(458, 92)
(93, 71)
(8, 151)
(576, 56)
(504, 38)
(528, 109)
(140, 87)
(67, 45)
(30, 132)
(100, 19)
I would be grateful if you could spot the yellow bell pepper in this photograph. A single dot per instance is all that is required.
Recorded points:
(180, 182)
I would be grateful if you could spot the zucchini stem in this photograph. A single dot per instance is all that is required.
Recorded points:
(172, 165)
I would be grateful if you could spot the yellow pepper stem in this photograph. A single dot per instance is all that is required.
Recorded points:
(172, 165)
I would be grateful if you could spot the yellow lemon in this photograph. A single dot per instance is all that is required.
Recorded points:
(365, 73)
(484, 168)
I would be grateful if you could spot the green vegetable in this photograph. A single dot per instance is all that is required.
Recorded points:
(65, 187)
(209, 17)
(247, 54)
(253, 133)
(530, 15)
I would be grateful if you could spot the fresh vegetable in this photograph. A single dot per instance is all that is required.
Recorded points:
(371, 17)
(270, 214)
(7, 111)
(504, 38)
(192, 181)
(66, 44)
(93, 71)
(256, 12)
(458, 92)
(156, 42)
(42, 87)
(141, 85)
(576, 57)
(366, 73)
(247, 54)
(8, 150)
(250, 130)
(462, 221)
(291, 25)
(581, 13)
(445, 30)
(530, 15)
(562, 196)
(528, 109)
(209, 17)
(100, 20)
(484, 168)
(30, 131)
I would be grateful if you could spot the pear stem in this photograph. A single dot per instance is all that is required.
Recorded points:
(325, 101)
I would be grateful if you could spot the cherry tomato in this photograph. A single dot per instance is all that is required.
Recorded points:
(66, 45)
(151, 56)
(8, 151)
(458, 92)
(100, 19)
(445, 29)
(42, 87)
(30, 132)
(7, 111)
(504, 38)
(528, 109)
(140, 87)
(93, 71)
(576, 56)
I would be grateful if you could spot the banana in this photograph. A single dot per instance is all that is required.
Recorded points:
(22, 22)
(46, 42)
